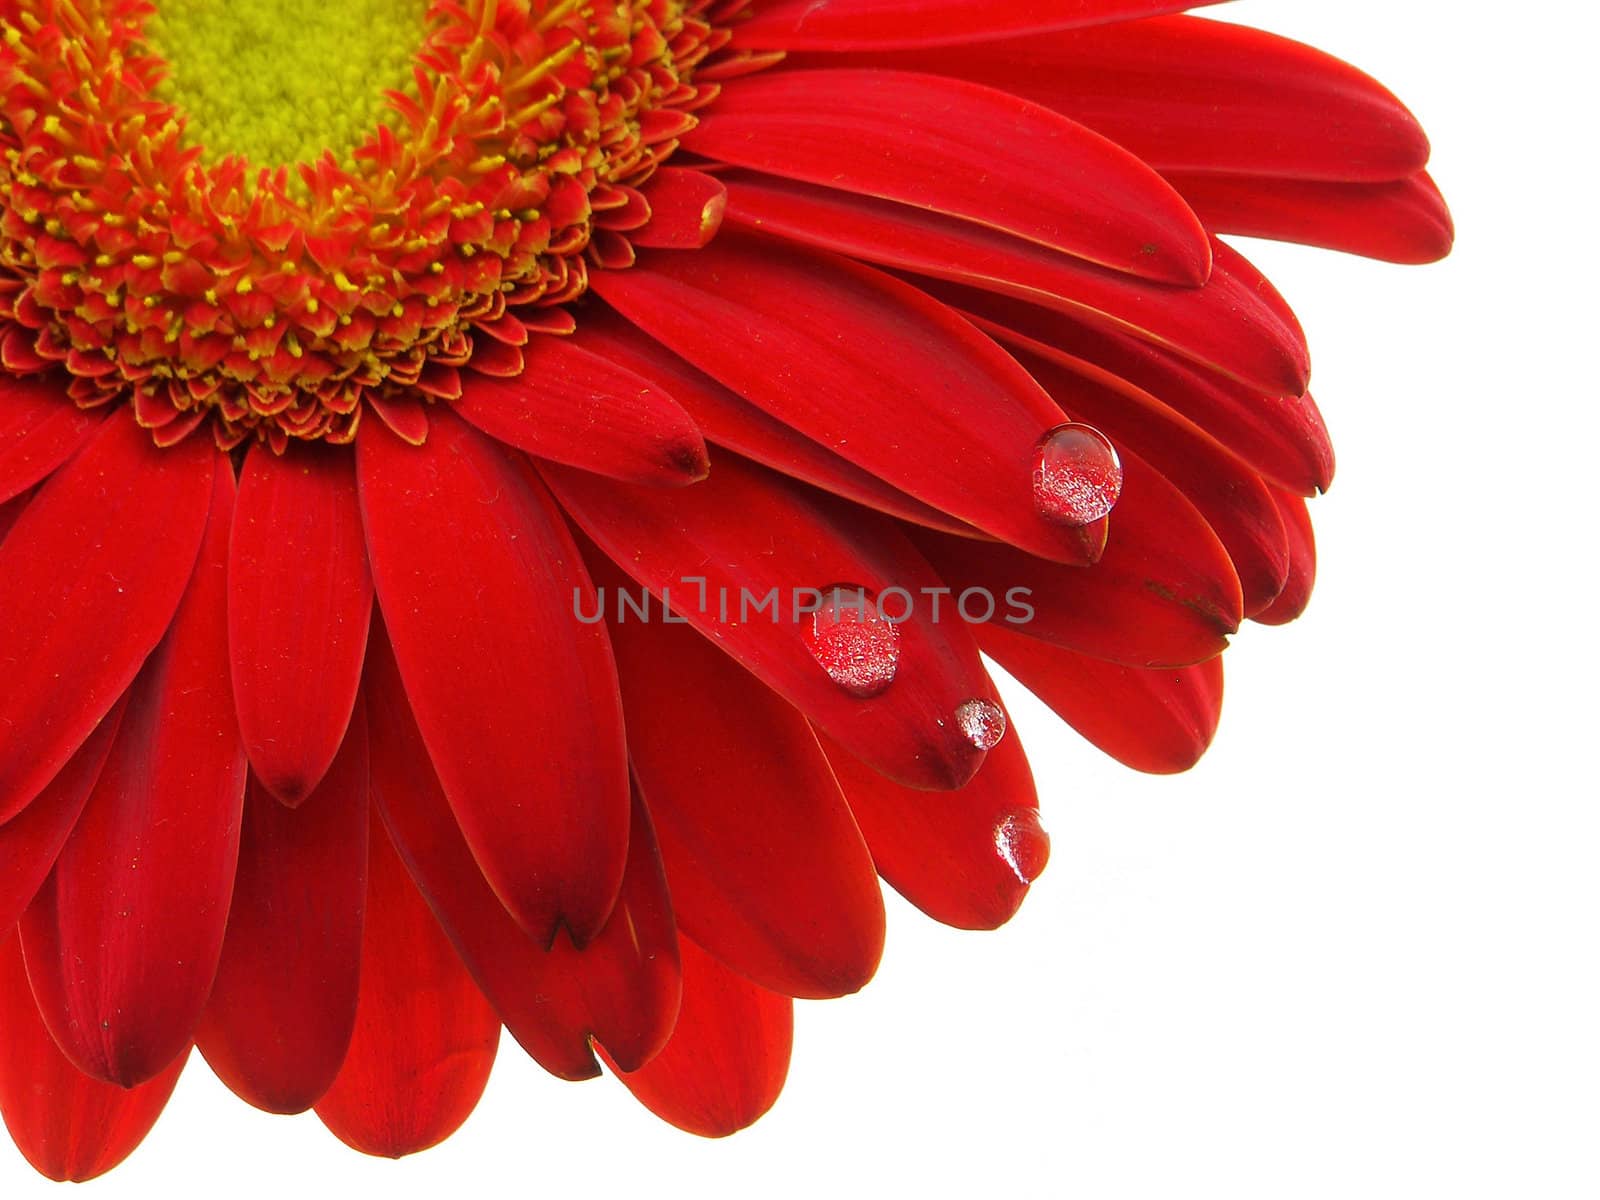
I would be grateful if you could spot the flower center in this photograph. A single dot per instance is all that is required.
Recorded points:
(280, 81)
(279, 215)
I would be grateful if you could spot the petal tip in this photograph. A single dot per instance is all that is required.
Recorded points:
(688, 461)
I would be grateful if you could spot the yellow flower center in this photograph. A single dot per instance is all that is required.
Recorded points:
(280, 81)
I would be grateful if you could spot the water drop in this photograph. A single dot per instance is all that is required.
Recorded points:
(1023, 844)
(982, 722)
(1078, 476)
(853, 641)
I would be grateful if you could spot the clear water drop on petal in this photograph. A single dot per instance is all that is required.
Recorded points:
(1023, 844)
(1077, 478)
(853, 641)
(982, 722)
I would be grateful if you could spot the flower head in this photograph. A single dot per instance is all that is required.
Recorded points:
(501, 502)
(268, 213)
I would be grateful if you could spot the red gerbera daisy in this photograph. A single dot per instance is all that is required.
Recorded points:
(503, 501)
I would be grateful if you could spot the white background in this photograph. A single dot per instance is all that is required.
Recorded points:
(1353, 953)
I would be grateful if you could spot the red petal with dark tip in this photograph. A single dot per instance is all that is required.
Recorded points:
(577, 407)
(30, 841)
(727, 1059)
(425, 1038)
(686, 210)
(40, 428)
(628, 982)
(1165, 594)
(296, 636)
(1184, 93)
(284, 1002)
(90, 576)
(767, 868)
(1401, 221)
(965, 858)
(745, 532)
(1281, 437)
(887, 24)
(1156, 721)
(122, 941)
(1256, 339)
(739, 425)
(1296, 594)
(69, 1127)
(1233, 500)
(931, 142)
(1227, 322)
(622, 988)
(873, 369)
(478, 578)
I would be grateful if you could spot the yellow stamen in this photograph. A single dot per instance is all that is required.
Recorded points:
(283, 81)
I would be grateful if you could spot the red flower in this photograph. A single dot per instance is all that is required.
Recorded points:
(364, 365)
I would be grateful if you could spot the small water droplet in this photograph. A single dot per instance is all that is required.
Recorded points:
(982, 722)
(1078, 476)
(1023, 844)
(852, 641)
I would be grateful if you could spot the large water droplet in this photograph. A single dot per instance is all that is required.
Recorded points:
(1078, 476)
(852, 641)
(982, 722)
(1023, 844)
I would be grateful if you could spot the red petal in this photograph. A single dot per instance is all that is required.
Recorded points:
(517, 700)
(767, 868)
(296, 636)
(728, 1057)
(686, 210)
(284, 1002)
(966, 857)
(404, 415)
(425, 1038)
(931, 143)
(871, 368)
(887, 24)
(68, 1126)
(40, 428)
(123, 940)
(1282, 437)
(739, 425)
(1228, 322)
(628, 982)
(1185, 93)
(1156, 721)
(492, 357)
(1244, 329)
(1403, 221)
(1232, 499)
(30, 841)
(1165, 594)
(90, 576)
(622, 988)
(11, 510)
(574, 406)
(1296, 594)
(734, 63)
(746, 533)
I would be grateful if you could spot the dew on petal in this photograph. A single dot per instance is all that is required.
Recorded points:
(853, 641)
(1078, 476)
(1023, 844)
(982, 722)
